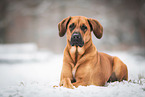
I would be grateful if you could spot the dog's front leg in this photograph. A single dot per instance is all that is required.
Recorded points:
(66, 75)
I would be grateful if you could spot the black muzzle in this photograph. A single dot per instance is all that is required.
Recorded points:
(76, 39)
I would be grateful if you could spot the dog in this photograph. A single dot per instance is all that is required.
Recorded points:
(82, 63)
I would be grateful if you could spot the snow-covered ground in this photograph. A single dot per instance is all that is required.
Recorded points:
(27, 72)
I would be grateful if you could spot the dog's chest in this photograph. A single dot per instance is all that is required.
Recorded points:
(73, 73)
(76, 53)
(81, 71)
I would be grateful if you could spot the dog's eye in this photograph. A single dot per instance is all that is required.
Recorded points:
(84, 28)
(72, 26)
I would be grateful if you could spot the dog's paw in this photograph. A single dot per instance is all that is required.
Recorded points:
(68, 86)
(67, 83)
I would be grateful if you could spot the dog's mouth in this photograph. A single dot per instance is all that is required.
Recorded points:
(77, 43)
(76, 40)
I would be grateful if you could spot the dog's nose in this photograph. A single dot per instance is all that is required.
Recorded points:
(76, 35)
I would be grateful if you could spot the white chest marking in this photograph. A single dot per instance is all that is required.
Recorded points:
(74, 72)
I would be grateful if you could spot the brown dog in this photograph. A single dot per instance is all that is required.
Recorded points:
(82, 63)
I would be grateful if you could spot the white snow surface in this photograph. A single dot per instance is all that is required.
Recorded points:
(27, 72)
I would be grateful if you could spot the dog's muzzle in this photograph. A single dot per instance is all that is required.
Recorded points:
(76, 39)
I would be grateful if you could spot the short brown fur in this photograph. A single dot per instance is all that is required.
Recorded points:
(85, 65)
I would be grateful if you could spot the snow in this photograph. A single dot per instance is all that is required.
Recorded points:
(26, 71)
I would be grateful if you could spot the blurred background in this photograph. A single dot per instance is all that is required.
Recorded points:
(31, 50)
(35, 21)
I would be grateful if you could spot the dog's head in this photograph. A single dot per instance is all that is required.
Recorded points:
(79, 29)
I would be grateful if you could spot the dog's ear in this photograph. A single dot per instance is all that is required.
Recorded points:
(62, 26)
(96, 27)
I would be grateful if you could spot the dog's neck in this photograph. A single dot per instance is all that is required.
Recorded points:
(77, 52)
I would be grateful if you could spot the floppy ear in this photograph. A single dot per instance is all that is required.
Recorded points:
(62, 26)
(96, 27)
